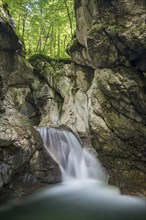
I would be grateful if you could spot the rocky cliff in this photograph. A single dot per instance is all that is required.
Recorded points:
(100, 95)
(111, 40)
(24, 165)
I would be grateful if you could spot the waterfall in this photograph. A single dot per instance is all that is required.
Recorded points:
(83, 193)
(75, 162)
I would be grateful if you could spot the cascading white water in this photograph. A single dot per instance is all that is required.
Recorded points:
(74, 161)
(84, 196)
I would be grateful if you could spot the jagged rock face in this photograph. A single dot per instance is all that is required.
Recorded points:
(117, 125)
(24, 165)
(9, 44)
(108, 31)
(102, 97)
(110, 38)
(106, 108)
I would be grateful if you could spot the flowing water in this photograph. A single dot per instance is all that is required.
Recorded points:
(75, 162)
(84, 193)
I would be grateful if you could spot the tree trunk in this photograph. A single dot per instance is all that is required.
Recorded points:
(64, 45)
(69, 17)
(58, 52)
(46, 40)
(24, 24)
(51, 41)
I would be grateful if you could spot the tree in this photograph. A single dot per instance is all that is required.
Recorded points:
(46, 26)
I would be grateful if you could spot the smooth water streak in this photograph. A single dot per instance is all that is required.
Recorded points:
(84, 193)
(74, 161)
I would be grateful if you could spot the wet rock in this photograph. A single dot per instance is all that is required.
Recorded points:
(106, 109)
(24, 164)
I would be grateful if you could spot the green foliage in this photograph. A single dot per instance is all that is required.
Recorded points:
(114, 29)
(46, 26)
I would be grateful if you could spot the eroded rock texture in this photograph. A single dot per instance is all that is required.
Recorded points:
(24, 165)
(110, 31)
(106, 108)
(111, 39)
(102, 95)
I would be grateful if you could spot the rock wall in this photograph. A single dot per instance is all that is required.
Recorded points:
(24, 165)
(111, 40)
(109, 33)
(100, 96)
(105, 108)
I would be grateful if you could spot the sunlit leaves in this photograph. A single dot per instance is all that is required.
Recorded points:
(43, 24)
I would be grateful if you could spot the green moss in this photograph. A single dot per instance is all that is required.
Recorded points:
(73, 46)
(55, 63)
(45, 66)
(97, 27)
(24, 60)
(74, 42)
(39, 57)
(115, 29)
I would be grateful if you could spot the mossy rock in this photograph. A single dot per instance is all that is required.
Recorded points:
(39, 57)
(46, 58)
(73, 46)
(56, 63)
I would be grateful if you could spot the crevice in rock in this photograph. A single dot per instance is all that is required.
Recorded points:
(117, 110)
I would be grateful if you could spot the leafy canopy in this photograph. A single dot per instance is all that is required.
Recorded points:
(46, 26)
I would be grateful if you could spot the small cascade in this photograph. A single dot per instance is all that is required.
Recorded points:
(74, 161)
(83, 194)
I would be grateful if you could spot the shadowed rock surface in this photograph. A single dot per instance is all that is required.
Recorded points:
(24, 164)
(102, 95)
